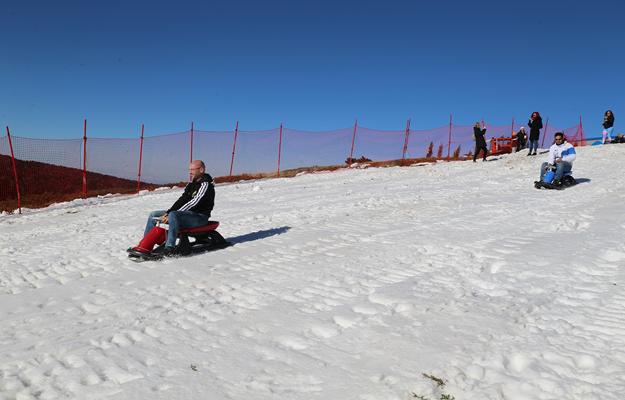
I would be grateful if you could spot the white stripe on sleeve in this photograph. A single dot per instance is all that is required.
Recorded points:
(194, 201)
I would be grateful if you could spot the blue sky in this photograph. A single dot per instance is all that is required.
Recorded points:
(312, 65)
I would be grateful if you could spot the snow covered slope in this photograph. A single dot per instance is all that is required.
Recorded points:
(345, 285)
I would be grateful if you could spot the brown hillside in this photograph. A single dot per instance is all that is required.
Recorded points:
(42, 184)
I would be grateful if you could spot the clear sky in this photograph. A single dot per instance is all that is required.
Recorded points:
(314, 65)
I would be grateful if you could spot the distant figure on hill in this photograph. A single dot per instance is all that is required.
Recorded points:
(191, 210)
(561, 157)
(521, 139)
(608, 126)
(535, 124)
(480, 142)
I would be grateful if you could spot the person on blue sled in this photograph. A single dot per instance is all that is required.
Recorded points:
(556, 171)
(191, 210)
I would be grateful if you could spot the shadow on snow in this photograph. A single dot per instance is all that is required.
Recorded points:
(249, 237)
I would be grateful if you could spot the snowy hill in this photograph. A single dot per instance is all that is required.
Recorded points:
(345, 285)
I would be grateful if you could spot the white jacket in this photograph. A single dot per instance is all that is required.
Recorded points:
(566, 151)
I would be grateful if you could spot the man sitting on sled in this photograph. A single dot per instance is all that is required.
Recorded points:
(191, 210)
(556, 171)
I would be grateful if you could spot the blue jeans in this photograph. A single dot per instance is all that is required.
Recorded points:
(562, 168)
(533, 145)
(177, 220)
(607, 134)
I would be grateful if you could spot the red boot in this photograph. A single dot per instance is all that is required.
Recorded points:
(156, 236)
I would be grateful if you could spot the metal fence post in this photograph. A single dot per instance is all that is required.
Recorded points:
(17, 182)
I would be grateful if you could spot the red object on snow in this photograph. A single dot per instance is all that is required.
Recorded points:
(156, 236)
(210, 226)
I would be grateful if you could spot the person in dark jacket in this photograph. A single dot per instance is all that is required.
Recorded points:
(521, 139)
(480, 141)
(620, 138)
(535, 124)
(608, 126)
(191, 210)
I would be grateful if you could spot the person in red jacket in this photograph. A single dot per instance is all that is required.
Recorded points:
(191, 210)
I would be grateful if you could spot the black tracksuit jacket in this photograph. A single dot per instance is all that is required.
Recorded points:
(198, 196)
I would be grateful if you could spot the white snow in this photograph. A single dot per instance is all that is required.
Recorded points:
(344, 285)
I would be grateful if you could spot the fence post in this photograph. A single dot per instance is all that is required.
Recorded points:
(542, 144)
(575, 140)
(140, 159)
(191, 149)
(84, 160)
(449, 139)
(234, 147)
(279, 149)
(513, 140)
(582, 138)
(403, 156)
(351, 153)
(17, 182)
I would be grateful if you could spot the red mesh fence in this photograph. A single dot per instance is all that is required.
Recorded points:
(498, 131)
(108, 158)
(48, 169)
(115, 157)
(256, 152)
(462, 142)
(52, 170)
(59, 152)
(215, 149)
(376, 144)
(306, 148)
(573, 134)
(166, 157)
(428, 143)
(8, 193)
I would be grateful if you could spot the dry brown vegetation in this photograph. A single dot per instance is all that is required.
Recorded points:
(43, 184)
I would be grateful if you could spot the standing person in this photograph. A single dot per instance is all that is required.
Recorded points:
(608, 126)
(480, 142)
(535, 124)
(521, 139)
(191, 210)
